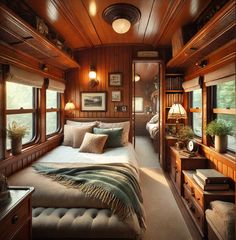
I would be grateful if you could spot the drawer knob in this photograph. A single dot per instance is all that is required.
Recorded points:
(14, 219)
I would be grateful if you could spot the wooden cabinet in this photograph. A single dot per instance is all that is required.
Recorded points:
(179, 162)
(16, 215)
(197, 201)
(15, 31)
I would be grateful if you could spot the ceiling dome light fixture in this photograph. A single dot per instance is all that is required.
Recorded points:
(121, 16)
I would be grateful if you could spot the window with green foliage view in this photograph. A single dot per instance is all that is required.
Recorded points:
(52, 112)
(21, 107)
(225, 99)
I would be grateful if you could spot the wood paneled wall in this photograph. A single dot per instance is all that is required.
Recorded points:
(106, 59)
(225, 163)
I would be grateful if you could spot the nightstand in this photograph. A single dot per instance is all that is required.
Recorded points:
(179, 162)
(197, 200)
(16, 215)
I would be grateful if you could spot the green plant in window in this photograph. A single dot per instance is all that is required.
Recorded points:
(15, 130)
(185, 133)
(219, 128)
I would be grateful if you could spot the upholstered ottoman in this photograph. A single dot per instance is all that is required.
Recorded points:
(80, 223)
(221, 221)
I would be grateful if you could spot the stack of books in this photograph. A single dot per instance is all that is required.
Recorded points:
(211, 179)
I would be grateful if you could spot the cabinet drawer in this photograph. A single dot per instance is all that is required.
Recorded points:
(194, 208)
(195, 193)
(11, 224)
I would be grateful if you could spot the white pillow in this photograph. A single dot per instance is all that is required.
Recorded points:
(154, 119)
(124, 125)
(75, 123)
(73, 135)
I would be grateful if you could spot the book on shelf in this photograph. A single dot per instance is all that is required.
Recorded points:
(210, 186)
(211, 176)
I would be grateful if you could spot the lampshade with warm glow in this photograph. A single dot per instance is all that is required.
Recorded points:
(92, 73)
(137, 77)
(70, 106)
(121, 25)
(177, 112)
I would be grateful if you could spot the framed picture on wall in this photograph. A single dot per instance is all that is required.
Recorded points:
(115, 79)
(116, 96)
(93, 101)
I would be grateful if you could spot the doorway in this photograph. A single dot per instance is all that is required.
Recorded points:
(146, 103)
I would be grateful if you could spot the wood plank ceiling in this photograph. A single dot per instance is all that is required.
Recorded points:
(81, 24)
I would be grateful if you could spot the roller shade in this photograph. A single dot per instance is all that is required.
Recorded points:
(225, 74)
(21, 76)
(56, 86)
(191, 85)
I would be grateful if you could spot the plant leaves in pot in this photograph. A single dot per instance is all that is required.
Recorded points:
(15, 133)
(219, 129)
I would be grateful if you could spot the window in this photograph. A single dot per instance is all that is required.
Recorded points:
(224, 107)
(52, 112)
(21, 107)
(196, 111)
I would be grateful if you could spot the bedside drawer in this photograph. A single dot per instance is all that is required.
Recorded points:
(12, 223)
(194, 209)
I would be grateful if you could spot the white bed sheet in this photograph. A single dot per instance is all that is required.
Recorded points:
(65, 154)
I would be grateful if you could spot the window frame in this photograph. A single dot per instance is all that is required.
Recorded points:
(194, 110)
(34, 111)
(215, 111)
(58, 111)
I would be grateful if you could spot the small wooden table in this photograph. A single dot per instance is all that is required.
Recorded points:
(16, 215)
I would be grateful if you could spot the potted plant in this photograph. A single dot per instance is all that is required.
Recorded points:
(219, 129)
(184, 134)
(15, 133)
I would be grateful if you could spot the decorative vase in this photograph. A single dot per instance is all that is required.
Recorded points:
(221, 143)
(16, 145)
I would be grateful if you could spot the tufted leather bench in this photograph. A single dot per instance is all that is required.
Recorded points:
(80, 223)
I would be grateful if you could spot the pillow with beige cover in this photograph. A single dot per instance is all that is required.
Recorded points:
(124, 125)
(73, 135)
(93, 143)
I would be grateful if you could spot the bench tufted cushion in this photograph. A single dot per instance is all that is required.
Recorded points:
(80, 223)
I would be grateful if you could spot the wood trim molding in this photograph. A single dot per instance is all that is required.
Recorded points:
(219, 29)
(225, 110)
(9, 55)
(29, 155)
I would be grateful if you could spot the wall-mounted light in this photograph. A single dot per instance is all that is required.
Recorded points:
(202, 63)
(137, 77)
(69, 107)
(93, 77)
(44, 67)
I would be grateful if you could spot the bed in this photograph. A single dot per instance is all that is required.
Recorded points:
(152, 127)
(67, 212)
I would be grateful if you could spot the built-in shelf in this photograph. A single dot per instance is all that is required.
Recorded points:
(175, 91)
(217, 32)
(18, 33)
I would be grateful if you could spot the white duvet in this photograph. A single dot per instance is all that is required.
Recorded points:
(65, 154)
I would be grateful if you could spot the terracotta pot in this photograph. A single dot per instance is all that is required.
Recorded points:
(16, 146)
(221, 143)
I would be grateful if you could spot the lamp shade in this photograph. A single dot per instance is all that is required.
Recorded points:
(121, 25)
(177, 111)
(70, 106)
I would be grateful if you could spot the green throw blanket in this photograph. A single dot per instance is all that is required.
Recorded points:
(115, 186)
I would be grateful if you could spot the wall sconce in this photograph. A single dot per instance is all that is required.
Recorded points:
(69, 107)
(137, 77)
(93, 82)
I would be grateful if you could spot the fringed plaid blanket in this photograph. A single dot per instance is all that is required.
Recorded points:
(115, 186)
